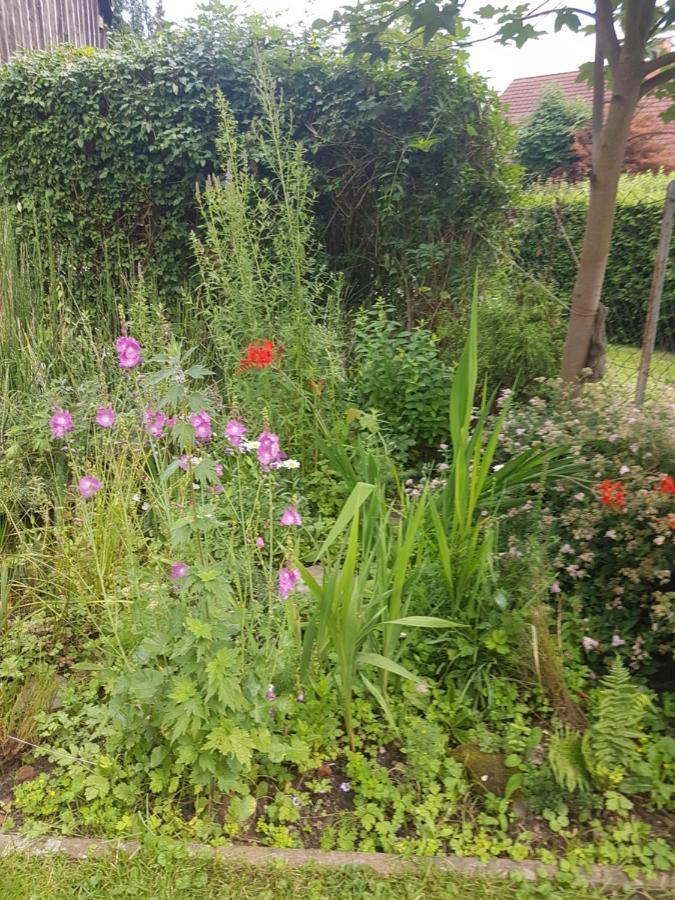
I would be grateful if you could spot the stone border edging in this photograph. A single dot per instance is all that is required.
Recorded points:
(382, 863)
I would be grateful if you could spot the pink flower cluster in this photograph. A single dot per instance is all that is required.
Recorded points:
(268, 451)
(291, 516)
(155, 422)
(61, 422)
(88, 485)
(128, 352)
(179, 570)
(105, 416)
(201, 422)
(234, 432)
(288, 578)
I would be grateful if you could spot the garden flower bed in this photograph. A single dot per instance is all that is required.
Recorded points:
(247, 597)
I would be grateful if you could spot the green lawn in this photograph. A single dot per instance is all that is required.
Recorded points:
(622, 369)
(148, 876)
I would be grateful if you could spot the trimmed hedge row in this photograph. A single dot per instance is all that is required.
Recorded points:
(106, 147)
(542, 250)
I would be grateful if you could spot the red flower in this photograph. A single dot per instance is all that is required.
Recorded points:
(260, 355)
(667, 485)
(612, 494)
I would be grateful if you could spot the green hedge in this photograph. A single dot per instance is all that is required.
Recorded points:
(102, 150)
(542, 250)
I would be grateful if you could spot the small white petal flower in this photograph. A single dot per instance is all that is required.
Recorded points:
(290, 464)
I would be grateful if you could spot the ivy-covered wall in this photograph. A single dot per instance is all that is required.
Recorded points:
(542, 249)
(102, 150)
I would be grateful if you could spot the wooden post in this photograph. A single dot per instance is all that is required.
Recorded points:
(655, 292)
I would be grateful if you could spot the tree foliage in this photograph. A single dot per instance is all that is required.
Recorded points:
(545, 140)
(649, 148)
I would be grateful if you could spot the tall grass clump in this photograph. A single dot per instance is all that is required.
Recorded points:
(262, 282)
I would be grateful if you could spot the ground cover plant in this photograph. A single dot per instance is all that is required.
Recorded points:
(247, 594)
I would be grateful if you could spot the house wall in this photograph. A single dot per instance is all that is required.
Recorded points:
(34, 24)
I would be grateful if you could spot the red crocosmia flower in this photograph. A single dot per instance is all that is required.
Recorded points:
(612, 494)
(667, 485)
(261, 354)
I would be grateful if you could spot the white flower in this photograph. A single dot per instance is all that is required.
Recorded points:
(136, 498)
(249, 445)
(659, 540)
(290, 464)
(610, 534)
(624, 470)
(498, 467)
(145, 506)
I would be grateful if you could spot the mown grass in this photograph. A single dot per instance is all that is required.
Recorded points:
(623, 364)
(155, 876)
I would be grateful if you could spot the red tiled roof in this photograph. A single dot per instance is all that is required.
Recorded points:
(523, 94)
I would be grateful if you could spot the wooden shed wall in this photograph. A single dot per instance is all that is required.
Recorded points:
(35, 24)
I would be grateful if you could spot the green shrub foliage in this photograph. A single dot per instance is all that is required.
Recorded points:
(107, 147)
(545, 139)
(400, 375)
(543, 251)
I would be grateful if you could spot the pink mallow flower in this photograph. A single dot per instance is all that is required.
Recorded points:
(185, 462)
(290, 516)
(589, 644)
(288, 578)
(235, 431)
(201, 422)
(218, 469)
(61, 422)
(105, 416)
(268, 451)
(178, 570)
(155, 422)
(260, 543)
(128, 352)
(88, 485)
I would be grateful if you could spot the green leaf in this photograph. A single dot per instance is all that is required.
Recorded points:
(235, 742)
(426, 622)
(199, 628)
(356, 499)
(183, 689)
(381, 662)
(96, 786)
(242, 808)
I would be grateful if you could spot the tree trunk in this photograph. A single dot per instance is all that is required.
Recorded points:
(607, 165)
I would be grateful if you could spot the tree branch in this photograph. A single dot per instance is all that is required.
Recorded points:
(662, 77)
(653, 65)
(604, 18)
(637, 20)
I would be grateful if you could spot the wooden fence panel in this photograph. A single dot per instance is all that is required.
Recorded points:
(36, 24)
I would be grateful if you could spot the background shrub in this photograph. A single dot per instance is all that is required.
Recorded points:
(545, 138)
(543, 251)
(100, 152)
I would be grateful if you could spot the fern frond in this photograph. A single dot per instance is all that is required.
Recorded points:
(566, 758)
(610, 743)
